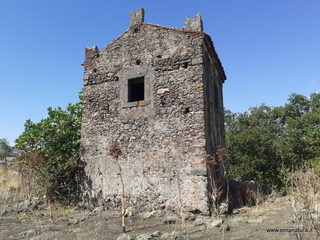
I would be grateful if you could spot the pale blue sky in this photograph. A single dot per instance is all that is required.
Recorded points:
(269, 48)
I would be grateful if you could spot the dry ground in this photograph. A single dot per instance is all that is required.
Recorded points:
(249, 223)
(32, 221)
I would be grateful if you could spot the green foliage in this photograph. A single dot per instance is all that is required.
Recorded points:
(267, 143)
(50, 150)
(5, 148)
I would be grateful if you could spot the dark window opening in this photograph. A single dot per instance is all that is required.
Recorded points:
(136, 89)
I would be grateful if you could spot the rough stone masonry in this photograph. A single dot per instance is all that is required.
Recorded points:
(154, 95)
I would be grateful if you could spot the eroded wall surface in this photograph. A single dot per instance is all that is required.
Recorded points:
(162, 137)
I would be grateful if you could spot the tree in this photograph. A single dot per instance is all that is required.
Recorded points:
(301, 137)
(267, 143)
(5, 149)
(51, 151)
(251, 144)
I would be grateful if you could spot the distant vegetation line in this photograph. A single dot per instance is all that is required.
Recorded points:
(265, 144)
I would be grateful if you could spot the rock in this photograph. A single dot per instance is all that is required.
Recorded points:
(28, 233)
(83, 218)
(73, 221)
(224, 227)
(315, 216)
(173, 235)
(129, 212)
(235, 211)
(224, 208)
(148, 214)
(144, 237)
(4, 213)
(216, 223)
(36, 204)
(188, 216)
(156, 234)
(124, 236)
(155, 213)
(98, 209)
(25, 204)
(18, 208)
(298, 207)
(163, 90)
(198, 222)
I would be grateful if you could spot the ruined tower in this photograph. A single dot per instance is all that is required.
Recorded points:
(153, 96)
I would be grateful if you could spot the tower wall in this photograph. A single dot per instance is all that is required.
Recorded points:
(163, 135)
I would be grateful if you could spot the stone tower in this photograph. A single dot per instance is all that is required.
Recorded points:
(153, 110)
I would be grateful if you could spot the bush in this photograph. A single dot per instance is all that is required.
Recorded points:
(305, 188)
(50, 151)
(267, 143)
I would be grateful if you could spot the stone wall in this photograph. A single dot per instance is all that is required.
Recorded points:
(164, 136)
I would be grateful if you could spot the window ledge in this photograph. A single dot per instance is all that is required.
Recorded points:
(136, 104)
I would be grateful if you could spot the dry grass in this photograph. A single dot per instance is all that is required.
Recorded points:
(60, 210)
(10, 185)
(305, 187)
(9, 180)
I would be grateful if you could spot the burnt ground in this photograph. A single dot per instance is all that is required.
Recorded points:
(32, 221)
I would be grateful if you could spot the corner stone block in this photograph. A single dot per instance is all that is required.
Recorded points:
(197, 172)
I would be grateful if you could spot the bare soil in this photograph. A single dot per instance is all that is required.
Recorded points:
(21, 219)
(246, 223)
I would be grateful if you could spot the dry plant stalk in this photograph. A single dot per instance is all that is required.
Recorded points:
(116, 152)
(10, 184)
(123, 209)
(217, 164)
(27, 180)
(50, 211)
(247, 193)
(305, 191)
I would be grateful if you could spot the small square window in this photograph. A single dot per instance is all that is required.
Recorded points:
(136, 89)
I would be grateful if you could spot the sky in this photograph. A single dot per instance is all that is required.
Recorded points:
(268, 48)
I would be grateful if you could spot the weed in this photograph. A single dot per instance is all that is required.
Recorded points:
(305, 189)
(60, 210)
(11, 189)
(217, 179)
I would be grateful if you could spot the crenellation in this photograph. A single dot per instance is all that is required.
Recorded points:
(136, 17)
(194, 24)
